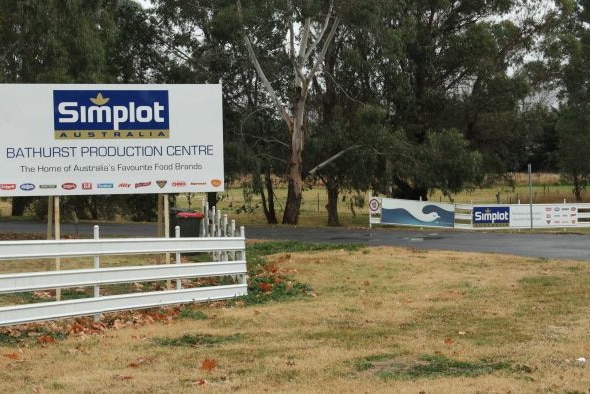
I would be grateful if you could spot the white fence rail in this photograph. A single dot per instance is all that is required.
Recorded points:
(231, 249)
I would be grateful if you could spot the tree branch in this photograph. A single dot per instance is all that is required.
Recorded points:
(320, 58)
(331, 159)
(269, 89)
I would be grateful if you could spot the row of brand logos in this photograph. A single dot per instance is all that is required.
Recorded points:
(501, 215)
(105, 185)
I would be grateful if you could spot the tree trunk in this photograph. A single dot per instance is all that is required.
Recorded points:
(332, 205)
(271, 215)
(295, 170)
(577, 187)
(19, 204)
(211, 199)
(294, 192)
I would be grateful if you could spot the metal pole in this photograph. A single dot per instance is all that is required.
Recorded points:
(167, 231)
(57, 219)
(530, 194)
(177, 235)
(49, 217)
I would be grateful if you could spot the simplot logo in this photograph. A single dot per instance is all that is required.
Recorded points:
(111, 114)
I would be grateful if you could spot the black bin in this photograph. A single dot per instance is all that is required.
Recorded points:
(188, 221)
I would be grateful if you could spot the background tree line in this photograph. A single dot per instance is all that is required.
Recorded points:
(395, 96)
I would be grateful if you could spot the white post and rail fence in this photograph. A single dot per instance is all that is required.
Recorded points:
(226, 249)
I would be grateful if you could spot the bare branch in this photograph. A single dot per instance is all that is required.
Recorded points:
(304, 41)
(331, 159)
(269, 89)
(324, 30)
(320, 58)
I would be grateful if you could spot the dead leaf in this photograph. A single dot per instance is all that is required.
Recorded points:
(14, 355)
(208, 365)
(43, 294)
(256, 312)
(46, 339)
(449, 341)
(118, 324)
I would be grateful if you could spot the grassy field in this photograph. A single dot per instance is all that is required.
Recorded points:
(375, 320)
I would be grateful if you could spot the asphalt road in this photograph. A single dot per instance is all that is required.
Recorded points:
(540, 245)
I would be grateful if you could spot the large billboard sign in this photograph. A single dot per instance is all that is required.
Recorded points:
(110, 139)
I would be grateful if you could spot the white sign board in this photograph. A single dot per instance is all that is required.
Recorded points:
(110, 139)
(545, 215)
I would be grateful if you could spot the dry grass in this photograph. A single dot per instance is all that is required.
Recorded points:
(5, 207)
(377, 314)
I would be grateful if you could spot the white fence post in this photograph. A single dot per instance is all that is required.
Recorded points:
(177, 235)
(96, 235)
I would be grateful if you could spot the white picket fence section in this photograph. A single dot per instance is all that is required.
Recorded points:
(228, 254)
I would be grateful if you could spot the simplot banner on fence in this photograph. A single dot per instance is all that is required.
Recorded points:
(392, 211)
(110, 139)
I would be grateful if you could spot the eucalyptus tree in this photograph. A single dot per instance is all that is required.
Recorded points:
(309, 28)
(567, 58)
(447, 65)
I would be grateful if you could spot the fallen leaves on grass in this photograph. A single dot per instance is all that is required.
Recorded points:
(45, 339)
(16, 355)
(208, 365)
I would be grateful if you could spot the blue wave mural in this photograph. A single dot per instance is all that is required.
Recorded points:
(415, 214)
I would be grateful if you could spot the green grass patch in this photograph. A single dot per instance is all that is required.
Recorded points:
(268, 248)
(192, 314)
(197, 340)
(266, 282)
(397, 367)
